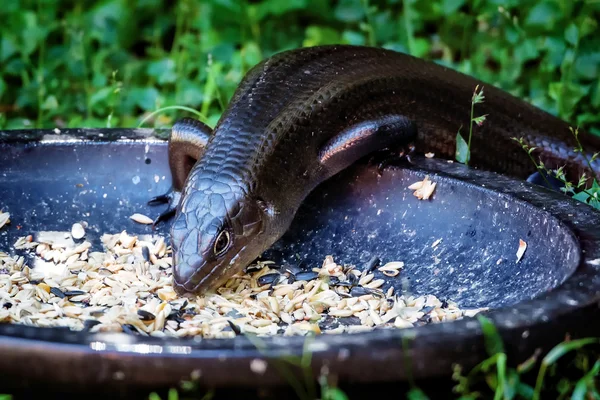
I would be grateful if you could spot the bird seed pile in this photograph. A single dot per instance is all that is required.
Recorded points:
(127, 288)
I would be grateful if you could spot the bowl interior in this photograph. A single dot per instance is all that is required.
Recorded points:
(460, 245)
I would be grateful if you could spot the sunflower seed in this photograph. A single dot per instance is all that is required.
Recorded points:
(77, 231)
(306, 276)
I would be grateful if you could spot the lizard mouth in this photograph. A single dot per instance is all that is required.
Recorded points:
(194, 279)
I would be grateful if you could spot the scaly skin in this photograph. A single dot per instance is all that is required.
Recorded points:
(269, 149)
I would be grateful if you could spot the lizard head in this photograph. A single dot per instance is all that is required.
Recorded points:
(214, 236)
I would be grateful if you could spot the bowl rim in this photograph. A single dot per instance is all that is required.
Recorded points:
(580, 291)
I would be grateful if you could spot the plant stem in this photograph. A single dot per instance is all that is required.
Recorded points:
(408, 26)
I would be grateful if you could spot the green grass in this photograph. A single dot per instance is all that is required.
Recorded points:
(570, 370)
(112, 63)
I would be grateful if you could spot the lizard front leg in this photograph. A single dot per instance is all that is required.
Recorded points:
(187, 142)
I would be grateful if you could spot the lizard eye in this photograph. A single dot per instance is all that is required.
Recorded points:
(222, 242)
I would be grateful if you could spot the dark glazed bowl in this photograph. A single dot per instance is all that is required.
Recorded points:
(479, 217)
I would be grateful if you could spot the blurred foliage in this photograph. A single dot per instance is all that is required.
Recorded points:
(76, 63)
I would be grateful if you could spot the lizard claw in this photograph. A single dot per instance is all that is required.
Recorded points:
(404, 155)
(171, 197)
(160, 199)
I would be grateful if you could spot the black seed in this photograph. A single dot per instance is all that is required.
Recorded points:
(291, 278)
(74, 293)
(371, 264)
(334, 280)
(189, 311)
(427, 309)
(271, 291)
(268, 278)
(359, 291)
(184, 305)
(145, 315)
(236, 329)
(307, 276)
(35, 282)
(7, 305)
(130, 329)
(253, 296)
(146, 253)
(444, 304)
(425, 319)
(90, 323)
(174, 314)
(352, 279)
(57, 292)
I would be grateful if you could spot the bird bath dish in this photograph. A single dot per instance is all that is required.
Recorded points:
(457, 247)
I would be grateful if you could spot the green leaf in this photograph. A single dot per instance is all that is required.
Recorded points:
(334, 394)
(50, 103)
(163, 71)
(354, 38)
(318, 35)
(567, 95)
(462, 154)
(349, 11)
(493, 341)
(544, 14)
(173, 395)
(527, 50)
(29, 37)
(587, 26)
(416, 394)
(145, 98)
(8, 47)
(278, 8)
(191, 94)
(100, 96)
(587, 381)
(572, 34)
(449, 7)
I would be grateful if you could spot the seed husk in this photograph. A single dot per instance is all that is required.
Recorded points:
(4, 218)
(141, 219)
